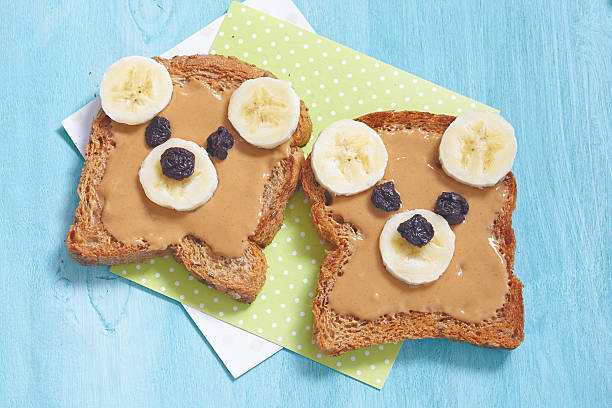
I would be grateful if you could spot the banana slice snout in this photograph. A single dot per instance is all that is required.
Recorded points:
(348, 157)
(135, 89)
(184, 195)
(265, 111)
(478, 148)
(408, 262)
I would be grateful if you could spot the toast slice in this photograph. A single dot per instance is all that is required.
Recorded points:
(241, 278)
(336, 334)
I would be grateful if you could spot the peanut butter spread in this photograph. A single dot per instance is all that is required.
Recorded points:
(476, 282)
(227, 219)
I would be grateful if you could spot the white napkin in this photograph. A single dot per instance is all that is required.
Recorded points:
(238, 349)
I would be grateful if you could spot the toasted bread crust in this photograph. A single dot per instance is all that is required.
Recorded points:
(90, 243)
(336, 334)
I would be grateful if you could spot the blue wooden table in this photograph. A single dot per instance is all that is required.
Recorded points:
(77, 336)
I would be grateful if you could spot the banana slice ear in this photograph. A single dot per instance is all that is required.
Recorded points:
(348, 157)
(135, 89)
(265, 111)
(478, 148)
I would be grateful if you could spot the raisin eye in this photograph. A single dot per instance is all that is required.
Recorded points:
(177, 163)
(417, 230)
(385, 197)
(158, 131)
(453, 207)
(219, 142)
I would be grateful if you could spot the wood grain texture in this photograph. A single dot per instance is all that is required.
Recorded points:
(79, 336)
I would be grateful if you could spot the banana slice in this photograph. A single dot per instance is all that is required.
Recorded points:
(187, 194)
(410, 263)
(348, 157)
(478, 148)
(265, 111)
(135, 89)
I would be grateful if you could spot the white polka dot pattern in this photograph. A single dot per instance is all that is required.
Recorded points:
(335, 82)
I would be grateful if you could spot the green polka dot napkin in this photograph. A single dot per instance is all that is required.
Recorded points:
(335, 82)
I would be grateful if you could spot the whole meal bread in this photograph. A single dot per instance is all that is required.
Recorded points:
(335, 334)
(241, 278)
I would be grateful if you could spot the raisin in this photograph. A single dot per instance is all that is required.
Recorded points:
(385, 197)
(219, 142)
(417, 230)
(177, 163)
(453, 207)
(158, 131)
